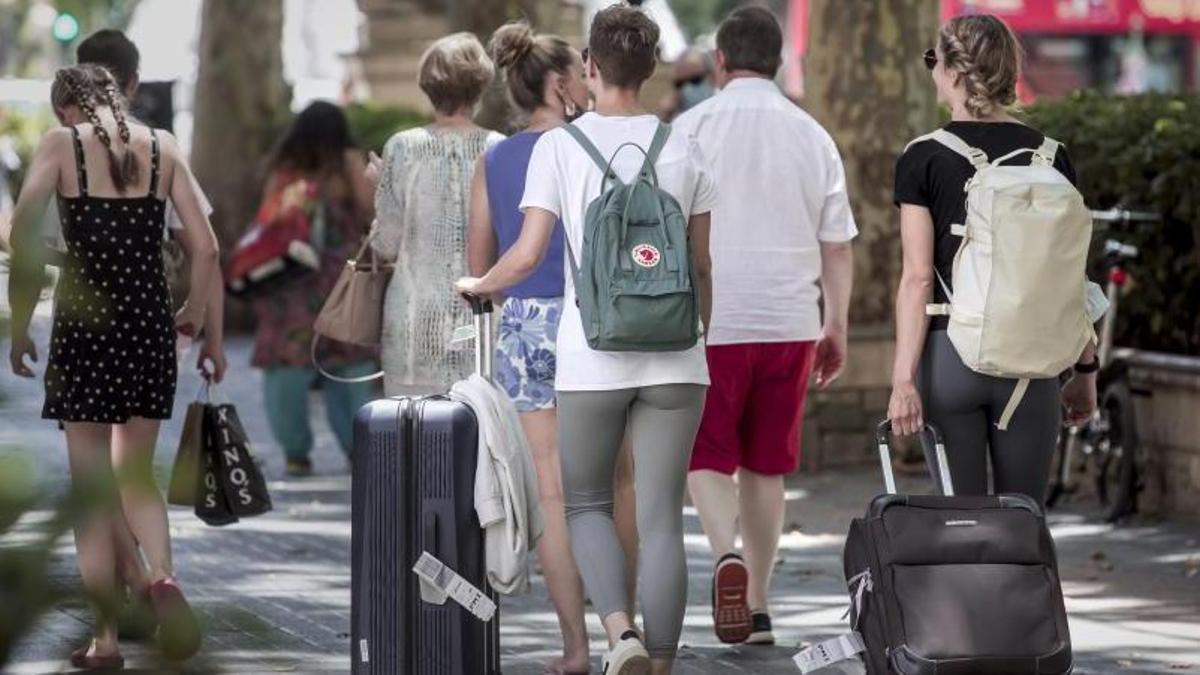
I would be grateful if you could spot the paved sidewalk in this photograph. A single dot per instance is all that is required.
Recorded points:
(274, 590)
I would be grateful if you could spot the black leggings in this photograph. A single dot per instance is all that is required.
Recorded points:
(966, 405)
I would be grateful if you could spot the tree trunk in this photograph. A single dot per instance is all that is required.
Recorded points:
(866, 83)
(241, 100)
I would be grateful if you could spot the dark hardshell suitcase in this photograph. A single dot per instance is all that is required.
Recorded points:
(950, 585)
(413, 490)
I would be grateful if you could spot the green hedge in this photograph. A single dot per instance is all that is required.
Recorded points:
(373, 124)
(1142, 153)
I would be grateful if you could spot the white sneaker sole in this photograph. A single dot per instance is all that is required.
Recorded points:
(765, 637)
(632, 660)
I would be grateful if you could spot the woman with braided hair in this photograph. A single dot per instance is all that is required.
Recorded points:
(975, 67)
(111, 373)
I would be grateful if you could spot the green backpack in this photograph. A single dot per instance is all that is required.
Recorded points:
(633, 280)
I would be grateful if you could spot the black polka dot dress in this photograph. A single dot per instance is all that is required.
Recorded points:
(112, 348)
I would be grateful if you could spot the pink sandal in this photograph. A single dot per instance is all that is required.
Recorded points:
(178, 629)
(82, 659)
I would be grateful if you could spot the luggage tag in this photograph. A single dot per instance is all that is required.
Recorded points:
(461, 335)
(829, 652)
(435, 572)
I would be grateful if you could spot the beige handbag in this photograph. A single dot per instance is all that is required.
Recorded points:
(353, 312)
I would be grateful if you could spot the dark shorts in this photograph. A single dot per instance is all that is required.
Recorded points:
(752, 414)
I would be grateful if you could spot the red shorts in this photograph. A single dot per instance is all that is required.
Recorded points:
(753, 411)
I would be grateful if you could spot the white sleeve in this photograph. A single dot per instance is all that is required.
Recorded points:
(541, 180)
(705, 199)
(174, 222)
(837, 219)
(205, 206)
(1096, 301)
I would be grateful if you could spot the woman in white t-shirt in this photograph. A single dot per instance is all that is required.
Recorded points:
(658, 394)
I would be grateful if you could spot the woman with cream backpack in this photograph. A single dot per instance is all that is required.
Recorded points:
(993, 305)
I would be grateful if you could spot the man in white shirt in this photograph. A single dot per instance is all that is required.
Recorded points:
(781, 232)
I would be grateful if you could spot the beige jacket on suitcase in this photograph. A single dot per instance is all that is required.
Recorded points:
(506, 496)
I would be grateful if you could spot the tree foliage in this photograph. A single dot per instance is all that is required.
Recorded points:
(1142, 153)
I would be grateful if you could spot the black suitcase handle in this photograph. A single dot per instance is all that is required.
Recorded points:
(883, 434)
(482, 309)
(479, 304)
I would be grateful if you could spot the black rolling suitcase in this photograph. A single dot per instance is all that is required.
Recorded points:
(413, 491)
(950, 585)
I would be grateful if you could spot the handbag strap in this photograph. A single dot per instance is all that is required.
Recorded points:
(344, 380)
(366, 246)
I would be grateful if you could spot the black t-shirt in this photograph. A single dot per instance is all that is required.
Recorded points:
(931, 175)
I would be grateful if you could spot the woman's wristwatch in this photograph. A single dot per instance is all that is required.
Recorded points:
(1088, 368)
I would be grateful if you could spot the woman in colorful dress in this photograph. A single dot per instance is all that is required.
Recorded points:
(315, 167)
(421, 205)
(111, 374)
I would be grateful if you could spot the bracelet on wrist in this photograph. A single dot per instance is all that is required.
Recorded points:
(1087, 368)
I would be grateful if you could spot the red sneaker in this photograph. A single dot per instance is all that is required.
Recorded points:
(731, 610)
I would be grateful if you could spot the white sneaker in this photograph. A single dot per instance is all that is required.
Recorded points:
(627, 657)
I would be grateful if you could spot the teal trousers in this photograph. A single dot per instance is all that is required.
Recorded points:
(285, 396)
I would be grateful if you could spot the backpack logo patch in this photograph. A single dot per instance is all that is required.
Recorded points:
(646, 255)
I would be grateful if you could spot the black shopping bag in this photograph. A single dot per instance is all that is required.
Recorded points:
(237, 474)
(212, 504)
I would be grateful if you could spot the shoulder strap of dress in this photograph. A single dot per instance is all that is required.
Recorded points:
(154, 162)
(80, 163)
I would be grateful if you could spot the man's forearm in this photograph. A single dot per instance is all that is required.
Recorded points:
(837, 280)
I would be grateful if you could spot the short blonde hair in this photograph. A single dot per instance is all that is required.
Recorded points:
(454, 72)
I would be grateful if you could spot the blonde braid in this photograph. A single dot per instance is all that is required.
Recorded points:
(985, 53)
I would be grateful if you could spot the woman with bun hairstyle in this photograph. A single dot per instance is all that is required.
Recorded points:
(544, 77)
(975, 67)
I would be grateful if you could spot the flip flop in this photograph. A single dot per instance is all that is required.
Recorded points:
(82, 660)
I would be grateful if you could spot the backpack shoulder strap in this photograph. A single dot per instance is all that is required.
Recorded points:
(1047, 151)
(661, 134)
(588, 147)
(978, 158)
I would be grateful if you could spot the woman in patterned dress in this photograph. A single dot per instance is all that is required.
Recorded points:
(315, 156)
(421, 212)
(111, 375)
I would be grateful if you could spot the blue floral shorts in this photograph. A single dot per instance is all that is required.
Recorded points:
(525, 352)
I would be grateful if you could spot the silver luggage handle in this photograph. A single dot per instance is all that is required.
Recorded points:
(884, 432)
(482, 309)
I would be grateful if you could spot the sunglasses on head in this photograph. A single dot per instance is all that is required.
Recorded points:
(931, 59)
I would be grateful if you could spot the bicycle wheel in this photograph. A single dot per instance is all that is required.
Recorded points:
(1119, 475)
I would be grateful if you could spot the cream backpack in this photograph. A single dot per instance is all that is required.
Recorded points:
(1018, 309)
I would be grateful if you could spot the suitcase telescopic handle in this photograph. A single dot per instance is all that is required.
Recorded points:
(883, 434)
(482, 309)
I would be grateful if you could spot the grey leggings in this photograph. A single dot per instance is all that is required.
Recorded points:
(662, 422)
(966, 405)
